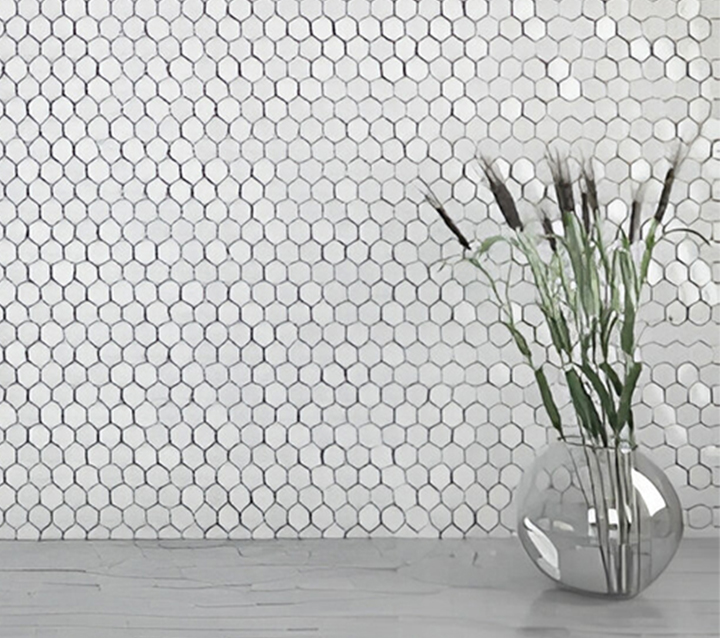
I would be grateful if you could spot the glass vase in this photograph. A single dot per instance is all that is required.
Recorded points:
(598, 520)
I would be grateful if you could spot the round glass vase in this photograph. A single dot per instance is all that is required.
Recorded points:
(598, 520)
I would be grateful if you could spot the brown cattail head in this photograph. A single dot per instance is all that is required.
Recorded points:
(561, 179)
(547, 227)
(502, 195)
(585, 211)
(431, 199)
(675, 162)
(590, 187)
(634, 230)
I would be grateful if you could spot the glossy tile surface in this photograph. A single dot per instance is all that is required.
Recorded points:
(331, 588)
(218, 318)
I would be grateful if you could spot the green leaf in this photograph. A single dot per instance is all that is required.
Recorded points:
(602, 326)
(584, 407)
(574, 251)
(631, 379)
(564, 332)
(548, 401)
(606, 334)
(624, 240)
(612, 283)
(539, 270)
(554, 332)
(590, 289)
(594, 288)
(627, 334)
(578, 400)
(602, 250)
(570, 295)
(627, 271)
(612, 375)
(594, 337)
(488, 243)
(520, 341)
(585, 345)
(606, 400)
(647, 255)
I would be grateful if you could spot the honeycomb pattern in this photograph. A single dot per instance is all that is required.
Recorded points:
(217, 313)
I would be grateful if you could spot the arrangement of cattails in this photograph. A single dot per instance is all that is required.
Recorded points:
(588, 289)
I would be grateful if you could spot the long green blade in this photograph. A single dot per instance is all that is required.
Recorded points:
(488, 243)
(520, 341)
(606, 400)
(613, 376)
(548, 401)
(628, 390)
(627, 334)
(584, 406)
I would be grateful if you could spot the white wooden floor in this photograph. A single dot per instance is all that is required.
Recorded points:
(331, 589)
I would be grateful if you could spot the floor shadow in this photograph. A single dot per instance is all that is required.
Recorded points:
(566, 612)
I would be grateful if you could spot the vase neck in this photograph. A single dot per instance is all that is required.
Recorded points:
(617, 445)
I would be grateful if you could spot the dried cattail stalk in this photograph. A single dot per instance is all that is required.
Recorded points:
(431, 199)
(635, 210)
(561, 179)
(502, 196)
(675, 162)
(585, 211)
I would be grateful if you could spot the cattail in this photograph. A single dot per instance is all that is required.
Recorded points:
(668, 184)
(563, 185)
(665, 195)
(435, 203)
(502, 196)
(549, 234)
(635, 215)
(585, 211)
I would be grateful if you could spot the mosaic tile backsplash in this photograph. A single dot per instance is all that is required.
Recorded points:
(217, 312)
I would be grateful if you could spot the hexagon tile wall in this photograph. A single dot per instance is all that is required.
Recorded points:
(217, 313)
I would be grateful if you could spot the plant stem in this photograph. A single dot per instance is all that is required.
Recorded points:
(601, 518)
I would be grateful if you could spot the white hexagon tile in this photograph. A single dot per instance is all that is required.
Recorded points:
(218, 317)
